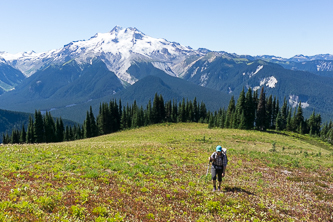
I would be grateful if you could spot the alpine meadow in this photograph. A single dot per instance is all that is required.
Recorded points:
(126, 127)
(158, 173)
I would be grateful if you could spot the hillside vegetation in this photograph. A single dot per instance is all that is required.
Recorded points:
(158, 173)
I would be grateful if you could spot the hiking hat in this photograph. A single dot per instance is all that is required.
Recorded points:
(218, 148)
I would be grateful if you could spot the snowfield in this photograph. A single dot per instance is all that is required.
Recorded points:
(268, 81)
(118, 48)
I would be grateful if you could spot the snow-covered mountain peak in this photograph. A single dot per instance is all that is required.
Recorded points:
(117, 28)
(118, 48)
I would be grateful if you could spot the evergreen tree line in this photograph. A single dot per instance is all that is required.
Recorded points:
(43, 129)
(112, 117)
(251, 112)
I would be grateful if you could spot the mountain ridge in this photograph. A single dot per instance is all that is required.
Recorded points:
(59, 78)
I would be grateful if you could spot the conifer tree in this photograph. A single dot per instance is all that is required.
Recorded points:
(195, 110)
(15, 138)
(124, 120)
(317, 124)
(161, 109)
(168, 111)
(102, 119)
(294, 125)
(222, 119)
(278, 121)
(174, 111)
(230, 113)
(240, 108)
(275, 110)
(284, 115)
(289, 126)
(30, 132)
(87, 127)
(190, 112)
(38, 127)
(149, 113)
(255, 103)
(249, 110)
(227, 121)
(6, 138)
(59, 130)
(269, 109)
(242, 124)
(182, 111)
(67, 134)
(93, 125)
(299, 119)
(311, 124)
(211, 121)
(155, 110)
(135, 116)
(115, 116)
(23, 135)
(203, 112)
(261, 111)
(49, 128)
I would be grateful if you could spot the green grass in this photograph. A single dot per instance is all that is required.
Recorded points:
(158, 173)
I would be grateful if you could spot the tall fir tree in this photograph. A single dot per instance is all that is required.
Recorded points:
(49, 128)
(299, 119)
(284, 114)
(289, 124)
(240, 108)
(93, 125)
(30, 132)
(38, 127)
(249, 110)
(155, 110)
(87, 127)
(161, 109)
(261, 111)
(203, 112)
(230, 113)
(23, 134)
(269, 109)
(242, 123)
(195, 110)
(59, 131)
(278, 122)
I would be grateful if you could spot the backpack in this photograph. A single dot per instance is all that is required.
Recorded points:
(224, 151)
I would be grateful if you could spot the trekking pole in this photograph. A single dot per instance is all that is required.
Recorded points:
(208, 168)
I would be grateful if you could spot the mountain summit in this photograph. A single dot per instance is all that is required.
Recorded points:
(118, 48)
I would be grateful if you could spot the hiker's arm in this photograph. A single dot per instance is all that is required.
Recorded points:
(223, 172)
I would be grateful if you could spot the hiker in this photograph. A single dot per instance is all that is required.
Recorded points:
(220, 161)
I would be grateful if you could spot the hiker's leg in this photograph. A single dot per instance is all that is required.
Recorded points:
(219, 174)
(213, 171)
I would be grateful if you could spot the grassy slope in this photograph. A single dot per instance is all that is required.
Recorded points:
(159, 173)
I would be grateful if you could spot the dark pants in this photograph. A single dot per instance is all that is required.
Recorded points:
(217, 172)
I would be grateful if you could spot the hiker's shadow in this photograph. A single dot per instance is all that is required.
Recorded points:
(236, 190)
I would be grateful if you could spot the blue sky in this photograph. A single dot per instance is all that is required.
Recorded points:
(254, 27)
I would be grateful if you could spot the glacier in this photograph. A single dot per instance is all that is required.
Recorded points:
(118, 48)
